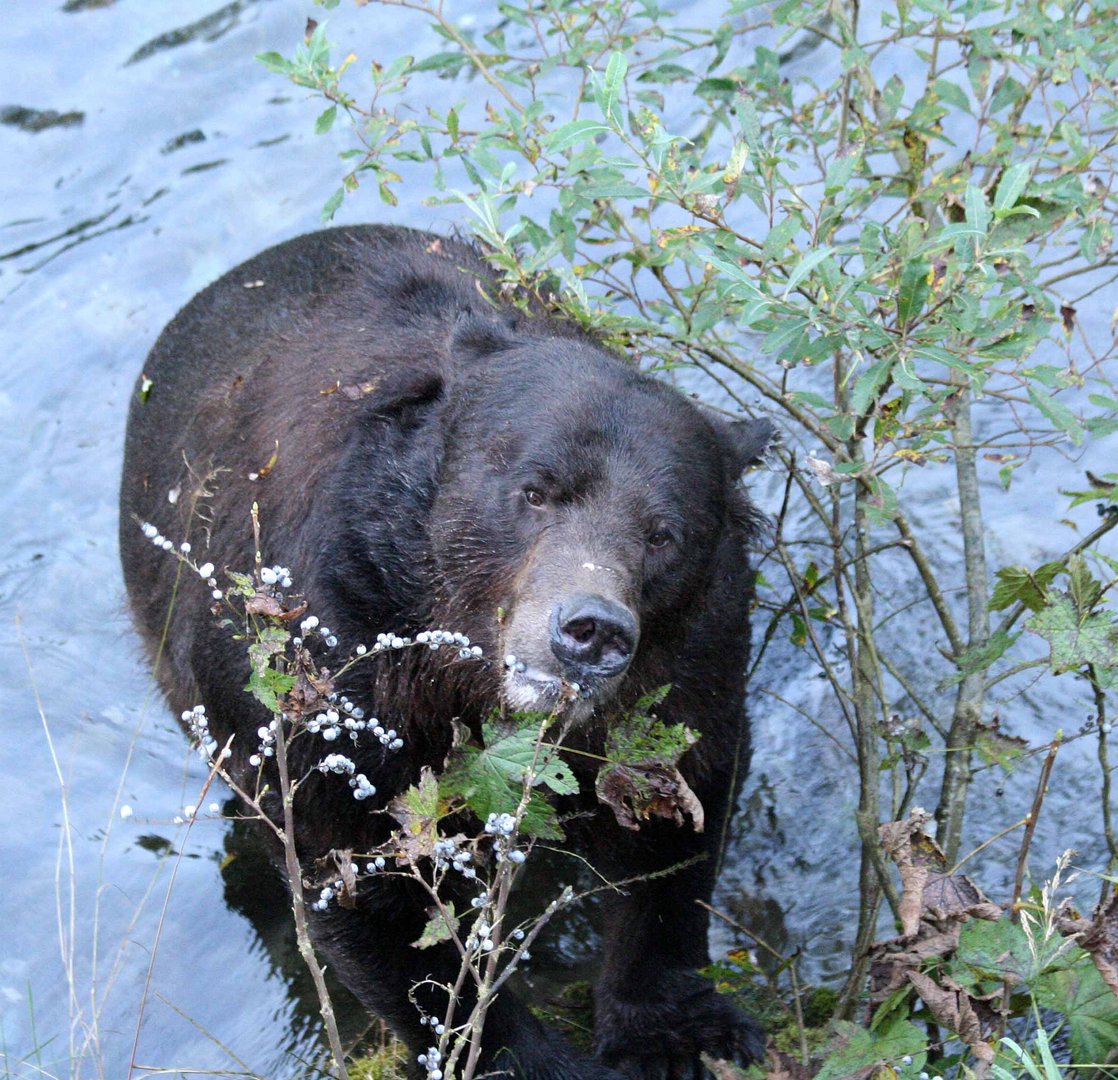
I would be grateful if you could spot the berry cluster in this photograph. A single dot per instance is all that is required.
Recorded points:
(502, 827)
(199, 725)
(449, 855)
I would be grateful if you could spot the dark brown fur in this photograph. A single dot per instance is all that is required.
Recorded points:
(404, 412)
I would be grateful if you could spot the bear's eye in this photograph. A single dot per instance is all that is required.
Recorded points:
(534, 497)
(660, 538)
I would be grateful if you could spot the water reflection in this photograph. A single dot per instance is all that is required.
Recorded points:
(209, 28)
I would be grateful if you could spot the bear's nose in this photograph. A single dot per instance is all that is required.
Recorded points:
(592, 635)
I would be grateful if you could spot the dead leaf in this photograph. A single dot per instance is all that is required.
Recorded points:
(929, 892)
(262, 604)
(950, 895)
(1100, 939)
(891, 961)
(824, 472)
(312, 685)
(418, 811)
(916, 855)
(337, 865)
(637, 793)
(954, 1009)
(783, 1066)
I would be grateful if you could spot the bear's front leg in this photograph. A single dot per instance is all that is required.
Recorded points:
(369, 949)
(654, 1014)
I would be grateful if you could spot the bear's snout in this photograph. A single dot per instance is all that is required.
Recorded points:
(593, 636)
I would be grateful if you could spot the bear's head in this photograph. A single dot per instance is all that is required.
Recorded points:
(579, 503)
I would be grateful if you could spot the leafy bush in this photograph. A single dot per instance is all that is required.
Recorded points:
(897, 259)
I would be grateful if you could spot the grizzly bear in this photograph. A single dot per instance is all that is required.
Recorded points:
(428, 452)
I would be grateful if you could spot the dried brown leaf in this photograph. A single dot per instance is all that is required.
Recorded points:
(917, 855)
(953, 1008)
(262, 604)
(953, 895)
(891, 961)
(1100, 939)
(824, 471)
(783, 1066)
(637, 793)
(337, 865)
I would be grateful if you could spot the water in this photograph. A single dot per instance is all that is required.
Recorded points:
(188, 157)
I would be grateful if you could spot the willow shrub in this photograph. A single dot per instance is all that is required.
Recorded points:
(882, 230)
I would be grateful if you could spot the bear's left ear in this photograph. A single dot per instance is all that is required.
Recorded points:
(404, 396)
(746, 441)
(478, 335)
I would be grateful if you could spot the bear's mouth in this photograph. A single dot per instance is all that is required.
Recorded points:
(531, 689)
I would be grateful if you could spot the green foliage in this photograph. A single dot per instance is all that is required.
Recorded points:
(1089, 1005)
(641, 739)
(867, 257)
(1078, 624)
(856, 1050)
(441, 926)
(1056, 975)
(491, 778)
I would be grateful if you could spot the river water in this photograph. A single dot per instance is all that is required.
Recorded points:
(144, 153)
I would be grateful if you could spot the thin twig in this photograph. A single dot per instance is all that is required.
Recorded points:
(1030, 825)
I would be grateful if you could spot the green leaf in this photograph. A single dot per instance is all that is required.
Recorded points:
(610, 88)
(1059, 414)
(953, 94)
(569, 134)
(781, 234)
(1090, 1006)
(422, 800)
(978, 213)
(869, 384)
(441, 926)
(273, 61)
(857, 1051)
(1020, 584)
(326, 120)
(1083, 589)
(805, 266)
(1010, 186)
(515, 754)
(981, 658)
(839, 171)
(267, 686)
(750, 125)
(913, 292)
(330, 207)
(270, 640)
(997, 949)
(647, 741)
(1075, 641)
